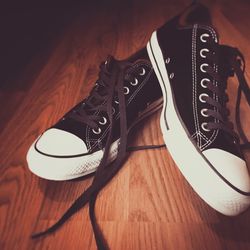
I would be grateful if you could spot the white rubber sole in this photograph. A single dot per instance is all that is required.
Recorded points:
(191, 162)
(52, 168)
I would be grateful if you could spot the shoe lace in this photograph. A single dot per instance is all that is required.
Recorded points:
(113, 80)
(90, 110)
(232, 61)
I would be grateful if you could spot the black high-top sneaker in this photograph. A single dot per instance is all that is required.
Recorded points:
(74, 146)
(192, 69)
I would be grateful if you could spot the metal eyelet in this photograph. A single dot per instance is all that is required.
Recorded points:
(143, 72)
(203, 82)
(63, 119)
(204, 126)
(97, 132)
(113, 110)
(201, 97)
(202, 67)
(171, 76)
(202, 52)
(104, 121)
(167, 61)
(203, 36)
(134, 83)
(203, 112)
(117, 102)
(126, 90)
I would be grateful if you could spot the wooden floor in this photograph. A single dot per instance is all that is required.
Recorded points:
(148, 205)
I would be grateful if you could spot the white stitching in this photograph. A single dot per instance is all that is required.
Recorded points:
(194, 73)
(215, 133)
(140, 86)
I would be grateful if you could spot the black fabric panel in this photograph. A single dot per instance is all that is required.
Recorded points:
(177, 46)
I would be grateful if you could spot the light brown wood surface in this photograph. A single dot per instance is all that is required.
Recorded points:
(148, 205)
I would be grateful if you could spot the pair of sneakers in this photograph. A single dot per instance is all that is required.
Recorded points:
(183, 71)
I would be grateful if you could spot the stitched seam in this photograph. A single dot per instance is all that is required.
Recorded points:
(215, 133)
(140, 86)
(100, 138)
(194, 74)
(88, 140)
(204, 137)
(194, 135)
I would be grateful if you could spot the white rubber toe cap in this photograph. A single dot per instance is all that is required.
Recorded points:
(231, 167)
(56, 142)
(230, 198)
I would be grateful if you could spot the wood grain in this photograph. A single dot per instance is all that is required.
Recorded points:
(148, 205)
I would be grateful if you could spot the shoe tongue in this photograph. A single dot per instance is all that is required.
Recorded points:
(195, 13)
(225, 69)
(109, 63)
(139, 55)
(100, 88)
(134, 58)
